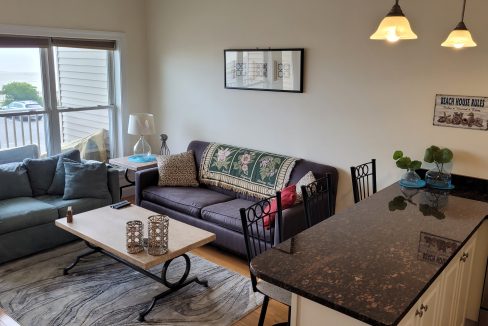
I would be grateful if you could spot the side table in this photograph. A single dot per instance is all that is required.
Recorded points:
(124, 163)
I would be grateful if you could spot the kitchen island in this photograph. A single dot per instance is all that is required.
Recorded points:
(400, 257)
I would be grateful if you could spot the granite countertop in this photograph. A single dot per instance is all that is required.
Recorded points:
(374, 260)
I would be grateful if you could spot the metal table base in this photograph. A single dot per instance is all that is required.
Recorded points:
(172, 287)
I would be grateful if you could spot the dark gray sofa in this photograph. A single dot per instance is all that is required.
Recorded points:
(27, 223)
(217, 210)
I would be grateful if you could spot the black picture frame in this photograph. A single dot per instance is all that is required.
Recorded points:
(262, 71)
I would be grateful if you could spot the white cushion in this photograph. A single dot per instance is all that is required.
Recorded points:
(304, 181)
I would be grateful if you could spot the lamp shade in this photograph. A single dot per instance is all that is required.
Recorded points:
(459, 38)
(394, 28)
(141, 124)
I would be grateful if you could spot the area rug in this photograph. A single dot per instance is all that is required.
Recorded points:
(101, 291)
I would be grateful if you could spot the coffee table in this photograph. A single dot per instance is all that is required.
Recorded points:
(103, 231)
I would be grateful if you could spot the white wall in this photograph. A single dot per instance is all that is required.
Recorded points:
(126, 16)
(363, 99)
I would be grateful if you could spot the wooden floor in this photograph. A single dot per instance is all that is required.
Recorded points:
(277, 312)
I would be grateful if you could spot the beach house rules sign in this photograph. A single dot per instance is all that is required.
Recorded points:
(470, 112)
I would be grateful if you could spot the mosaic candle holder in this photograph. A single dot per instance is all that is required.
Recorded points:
(134, 232)
(157, 243)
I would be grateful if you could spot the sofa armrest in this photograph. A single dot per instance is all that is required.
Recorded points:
(293, 222)
(113, 184)
(144, 179)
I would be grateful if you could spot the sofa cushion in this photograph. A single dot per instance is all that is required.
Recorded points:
(85, 180)
(288, 198)
(42, 171)
(187, 200)
(15, 181)
(226, 214)
(304, 181)
(57, 185)
(18, 154)
(79, 205)
(177, 170)
(23, 212)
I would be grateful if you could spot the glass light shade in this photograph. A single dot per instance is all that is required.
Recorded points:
(459, 38)
(142, 148)
(394, 28)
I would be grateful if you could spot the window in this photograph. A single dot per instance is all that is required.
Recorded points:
(21, 89)
(58, 93)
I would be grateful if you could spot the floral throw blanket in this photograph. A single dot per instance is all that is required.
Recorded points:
(246, 171)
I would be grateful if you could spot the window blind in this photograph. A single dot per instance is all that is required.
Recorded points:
(13, 41)
(83, 43)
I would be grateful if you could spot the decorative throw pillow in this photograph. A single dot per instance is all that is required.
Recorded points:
(91, 147)
(42, 171)
(14, 175)
(177, 170)
(288, 198)
(57, 184)
(304, 181)
(85, 180)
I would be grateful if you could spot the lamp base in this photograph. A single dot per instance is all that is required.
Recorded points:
(142, 158)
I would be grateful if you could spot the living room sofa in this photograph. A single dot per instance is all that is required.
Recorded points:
(216, 209)
(27, 223)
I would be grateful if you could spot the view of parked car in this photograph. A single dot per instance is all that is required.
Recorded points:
(26, 106)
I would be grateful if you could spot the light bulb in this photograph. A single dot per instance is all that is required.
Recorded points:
(392, 35)
(458, 45)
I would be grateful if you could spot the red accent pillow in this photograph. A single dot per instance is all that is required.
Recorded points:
(288, 198)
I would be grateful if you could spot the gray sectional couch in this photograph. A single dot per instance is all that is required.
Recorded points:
(216, 209)
(27, 223)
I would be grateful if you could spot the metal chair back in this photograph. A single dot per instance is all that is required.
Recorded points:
(257, 236)
(363, 180)
(318, 200)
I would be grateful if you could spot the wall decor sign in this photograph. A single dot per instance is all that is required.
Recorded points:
(470, 112)
(279, 70)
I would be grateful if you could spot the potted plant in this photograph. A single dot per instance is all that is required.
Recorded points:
(439, 176)
(410, 178)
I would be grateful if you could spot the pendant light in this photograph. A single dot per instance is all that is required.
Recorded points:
(460, 37)
(394, 27)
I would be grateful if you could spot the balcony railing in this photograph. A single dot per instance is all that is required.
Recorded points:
(18, 128)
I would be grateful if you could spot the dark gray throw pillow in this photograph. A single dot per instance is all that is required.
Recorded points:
(87, 180)
(14, 181)
(57, 185)
(42, 171)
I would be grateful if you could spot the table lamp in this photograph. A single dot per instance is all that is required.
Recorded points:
(141, 124)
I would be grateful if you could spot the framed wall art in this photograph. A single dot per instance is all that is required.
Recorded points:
(279, 70)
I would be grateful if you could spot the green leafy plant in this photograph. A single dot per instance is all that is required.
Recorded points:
(20, 91)
(405, 162)
(438, 156)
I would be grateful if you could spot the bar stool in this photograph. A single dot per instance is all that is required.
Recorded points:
(363, 180)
